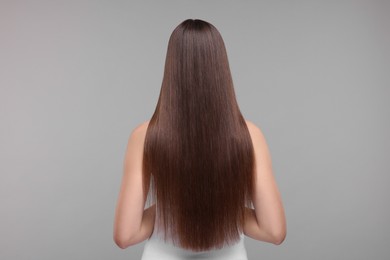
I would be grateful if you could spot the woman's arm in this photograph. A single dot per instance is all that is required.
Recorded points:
(253, 230)
(129, 212)
(268, 207)
(147, 226)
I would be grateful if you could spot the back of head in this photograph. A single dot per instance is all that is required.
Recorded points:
(198, 150)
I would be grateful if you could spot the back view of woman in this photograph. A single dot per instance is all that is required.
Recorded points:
(206, 168)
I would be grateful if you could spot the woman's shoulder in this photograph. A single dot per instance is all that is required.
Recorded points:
(250, 124)
(252, 127)
(141, 127)
(257, 134)
(138, 133)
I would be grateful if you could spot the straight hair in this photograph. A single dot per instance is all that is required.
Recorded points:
(198, 156)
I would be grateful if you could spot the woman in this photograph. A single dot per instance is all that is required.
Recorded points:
(207, 169)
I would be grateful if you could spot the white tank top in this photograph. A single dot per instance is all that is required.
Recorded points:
(156, 248)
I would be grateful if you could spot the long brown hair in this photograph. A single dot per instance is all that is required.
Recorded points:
(198, 150)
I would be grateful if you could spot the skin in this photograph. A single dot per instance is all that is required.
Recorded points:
(133, 224)
(269, 212)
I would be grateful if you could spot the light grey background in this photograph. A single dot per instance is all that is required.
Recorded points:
(78, 76)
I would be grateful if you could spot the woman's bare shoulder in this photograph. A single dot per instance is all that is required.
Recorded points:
(256, 133)
(142, 127)
(252, 127)
(139, 132)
